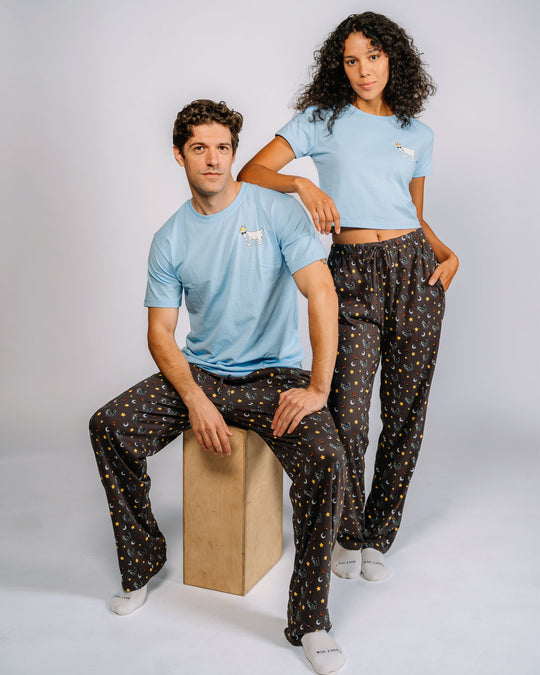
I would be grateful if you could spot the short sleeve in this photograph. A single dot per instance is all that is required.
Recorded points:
(298, 240)
(423, 163)
(163, 288)
(300, 134)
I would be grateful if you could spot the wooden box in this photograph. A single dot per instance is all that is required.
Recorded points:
(233, 506)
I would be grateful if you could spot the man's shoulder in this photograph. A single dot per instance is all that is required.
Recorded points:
(271, 198)
(173, 223)
(259, 192)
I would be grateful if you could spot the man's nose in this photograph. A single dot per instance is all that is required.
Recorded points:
(212, 157)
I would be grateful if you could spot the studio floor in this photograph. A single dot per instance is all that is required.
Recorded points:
(462, 598)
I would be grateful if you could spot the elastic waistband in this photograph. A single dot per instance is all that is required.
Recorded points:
(415, 237)
(262, 373)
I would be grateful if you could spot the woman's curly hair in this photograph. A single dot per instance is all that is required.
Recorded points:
(408, 87)
(205, 111)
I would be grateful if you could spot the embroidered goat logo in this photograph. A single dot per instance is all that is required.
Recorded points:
(250, 237)
(406, 152)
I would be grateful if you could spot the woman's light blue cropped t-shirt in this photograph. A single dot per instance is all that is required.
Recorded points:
(365, 164)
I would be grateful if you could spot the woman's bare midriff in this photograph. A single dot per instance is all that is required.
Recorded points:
(351, 235)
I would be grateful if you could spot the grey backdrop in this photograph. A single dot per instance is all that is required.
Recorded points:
(90, 91)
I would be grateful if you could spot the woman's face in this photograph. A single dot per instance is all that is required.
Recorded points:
(366, 68)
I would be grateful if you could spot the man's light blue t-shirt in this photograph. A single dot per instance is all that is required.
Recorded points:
(234, 268)
(365, 164)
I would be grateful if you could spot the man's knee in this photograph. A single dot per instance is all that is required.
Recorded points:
(331, 461)
(321, 428)
(96, 421)
(328, 452)
(102, 424)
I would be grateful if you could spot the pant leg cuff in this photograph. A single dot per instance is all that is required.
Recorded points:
(350, 544)
(296, 639)
(129, 584)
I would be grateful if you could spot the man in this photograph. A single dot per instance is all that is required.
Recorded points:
(236, 251)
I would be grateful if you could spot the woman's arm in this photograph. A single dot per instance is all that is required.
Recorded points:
(263, 170)
(447, 259)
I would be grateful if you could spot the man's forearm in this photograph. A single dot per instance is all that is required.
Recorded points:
(173, 364)
(206, 421)
(323, 333)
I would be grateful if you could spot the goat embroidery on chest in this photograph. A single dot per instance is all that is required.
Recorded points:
(407, 153)
(252, 236)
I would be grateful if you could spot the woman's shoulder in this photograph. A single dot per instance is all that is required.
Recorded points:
(314, 115)
(421, 128)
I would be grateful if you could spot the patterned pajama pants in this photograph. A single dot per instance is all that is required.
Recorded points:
(144, 419)
(389, 315)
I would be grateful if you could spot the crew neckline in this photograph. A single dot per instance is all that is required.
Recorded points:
(371, 115)
(227, 210)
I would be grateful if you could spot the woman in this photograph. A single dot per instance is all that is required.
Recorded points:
(356, 119)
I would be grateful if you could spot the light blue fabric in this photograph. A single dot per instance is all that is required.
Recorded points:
(235, 269)
(365, 164)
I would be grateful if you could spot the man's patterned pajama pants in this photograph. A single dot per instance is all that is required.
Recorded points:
(144, 419)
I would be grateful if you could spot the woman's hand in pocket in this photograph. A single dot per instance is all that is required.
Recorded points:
(445, 271)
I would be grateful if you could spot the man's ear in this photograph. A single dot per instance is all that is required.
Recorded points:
(178, 155)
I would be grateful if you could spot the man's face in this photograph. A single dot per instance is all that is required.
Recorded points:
(207, 158)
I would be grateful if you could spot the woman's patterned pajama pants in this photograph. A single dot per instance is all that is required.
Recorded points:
(388, 314)
(144, 419)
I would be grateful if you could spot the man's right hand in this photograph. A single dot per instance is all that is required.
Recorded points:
(208, 425)
(205, 419)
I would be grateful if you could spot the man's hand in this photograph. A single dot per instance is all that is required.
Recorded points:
(208, 425)
(294, 405)
(206, 421)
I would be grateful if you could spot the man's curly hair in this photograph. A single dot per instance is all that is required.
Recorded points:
(205, 111)
(408, 87)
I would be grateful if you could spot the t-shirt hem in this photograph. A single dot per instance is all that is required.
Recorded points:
(243, 372)
(161, 304)
(296, 153)
(379, 226)
(300, 265)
